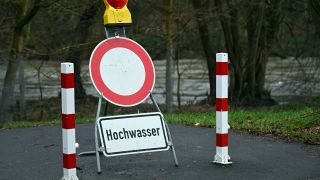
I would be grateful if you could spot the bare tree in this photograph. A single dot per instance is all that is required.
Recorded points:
(74, 55)
(170, 54)
(315, 13)
(27, 9)
(262, 20)
(202, 16)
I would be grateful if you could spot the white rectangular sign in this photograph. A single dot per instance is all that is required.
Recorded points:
(132, 134)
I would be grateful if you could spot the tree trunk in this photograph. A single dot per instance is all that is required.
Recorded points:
(261, 65)
(207, 45)
(22, 19)
(315, 13)
(254, 30)
(22, 100)
(169, 64)
(23, 58)
(74, 57)
(40, 89)
(75, 53)
(230, 22)
(263, 22)
(177, 53)
(7, 100)
(179, 74)
(269, 32)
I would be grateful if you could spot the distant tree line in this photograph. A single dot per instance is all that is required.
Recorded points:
(249, 30)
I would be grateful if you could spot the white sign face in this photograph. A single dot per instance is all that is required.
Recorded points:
(122, 71)
(132, 134)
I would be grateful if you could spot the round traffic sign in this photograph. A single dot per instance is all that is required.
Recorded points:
(122, 71)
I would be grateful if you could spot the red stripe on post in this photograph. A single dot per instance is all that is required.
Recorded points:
(221, 68)
(67, 80)
(221, 104)
(69, 161)
(68, 121)
(222, 140)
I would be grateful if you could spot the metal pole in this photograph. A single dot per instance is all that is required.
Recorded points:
(110, 32)
(69, 144)
(88, 153)
(96, 136)
(169, 133)
(154, 102)
(222, 156)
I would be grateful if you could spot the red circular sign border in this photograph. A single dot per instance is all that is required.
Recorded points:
(95, 60)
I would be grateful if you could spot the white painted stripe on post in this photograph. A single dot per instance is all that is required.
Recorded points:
(222, 151)
(69, 141)
(71, 173)
(67, 68)
(68, 104)
(221, 57)
(222, 122)
(222, 156)
(221, 86)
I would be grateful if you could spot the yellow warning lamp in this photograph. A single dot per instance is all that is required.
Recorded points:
(117, 13)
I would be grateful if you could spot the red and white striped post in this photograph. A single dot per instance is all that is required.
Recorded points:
(68, 122)
(222, 126)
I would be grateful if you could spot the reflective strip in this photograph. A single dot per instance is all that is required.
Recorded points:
(222, 86)
(68, 121)
(69, 141)
(222, 122)
(222, 68)
(69, 161)
(221, 104)
(222, 140)
(67, 101)
(67, 80)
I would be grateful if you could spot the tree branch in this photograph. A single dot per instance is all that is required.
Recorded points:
(30, 14)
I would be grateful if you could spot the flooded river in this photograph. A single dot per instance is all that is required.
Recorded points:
(284, 77)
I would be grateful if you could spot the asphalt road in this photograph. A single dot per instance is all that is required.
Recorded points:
(35, 154)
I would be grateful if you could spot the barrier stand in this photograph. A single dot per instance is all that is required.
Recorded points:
(222, 126)
(68, 122)
(99, 149)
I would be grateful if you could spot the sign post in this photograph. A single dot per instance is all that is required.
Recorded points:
(116, 18)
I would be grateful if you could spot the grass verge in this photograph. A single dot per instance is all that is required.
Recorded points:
(288, 122)
(291, 122)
